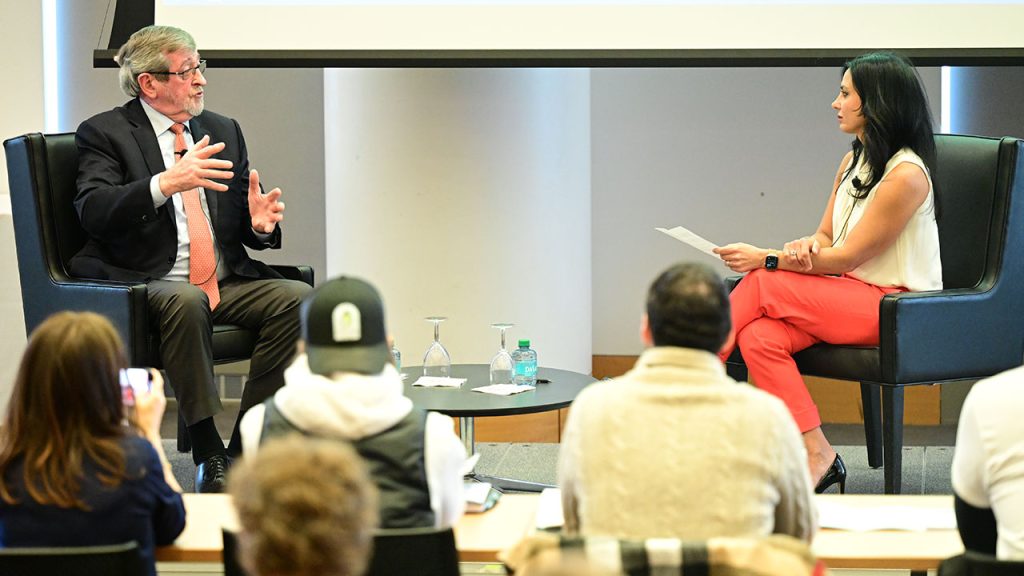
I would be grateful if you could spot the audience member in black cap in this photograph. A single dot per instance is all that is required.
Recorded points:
(344, 386)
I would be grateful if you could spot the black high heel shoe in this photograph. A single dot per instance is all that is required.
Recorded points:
(835, 473)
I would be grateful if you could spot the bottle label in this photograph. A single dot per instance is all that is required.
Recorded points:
(528, 369)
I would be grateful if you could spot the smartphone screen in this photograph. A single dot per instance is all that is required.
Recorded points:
(133, 380)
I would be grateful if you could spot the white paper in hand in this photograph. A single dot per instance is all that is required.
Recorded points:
(688, 237)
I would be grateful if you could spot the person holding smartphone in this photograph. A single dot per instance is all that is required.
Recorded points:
(77, 466)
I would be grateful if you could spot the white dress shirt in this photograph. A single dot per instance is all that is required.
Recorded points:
(165, 138)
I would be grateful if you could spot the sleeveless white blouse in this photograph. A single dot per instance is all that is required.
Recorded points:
(912, 261)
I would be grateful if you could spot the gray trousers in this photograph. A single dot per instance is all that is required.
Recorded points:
(181, 312)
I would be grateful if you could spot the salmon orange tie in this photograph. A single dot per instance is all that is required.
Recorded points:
(202, 261)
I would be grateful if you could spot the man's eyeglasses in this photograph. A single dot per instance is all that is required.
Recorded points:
(185, 74)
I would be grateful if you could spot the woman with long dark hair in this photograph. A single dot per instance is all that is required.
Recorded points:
(878, 236)
(78, 465)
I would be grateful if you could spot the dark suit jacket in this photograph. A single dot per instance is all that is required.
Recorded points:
(129, 240)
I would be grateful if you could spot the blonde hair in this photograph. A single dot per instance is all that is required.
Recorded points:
(306, 506)
(146, 51)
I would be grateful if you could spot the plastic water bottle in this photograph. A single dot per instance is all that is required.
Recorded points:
(397, 356)
(525, 360)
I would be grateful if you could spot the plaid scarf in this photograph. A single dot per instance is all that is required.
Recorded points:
(546, 554)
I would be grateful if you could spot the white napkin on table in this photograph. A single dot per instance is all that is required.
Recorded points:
(504, 389)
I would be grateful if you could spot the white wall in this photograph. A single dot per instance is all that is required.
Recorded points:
(986, 100)
(22, 103)
(22, 96)
(466, 193)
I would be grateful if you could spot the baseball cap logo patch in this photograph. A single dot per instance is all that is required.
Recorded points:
(346, 323)
(343, 328)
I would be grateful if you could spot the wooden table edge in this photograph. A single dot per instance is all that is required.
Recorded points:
(175, 554)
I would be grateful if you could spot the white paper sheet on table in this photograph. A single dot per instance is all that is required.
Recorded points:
(439, 382)
(504, 389)
(688, 237)
(865, 518)
(549, 509)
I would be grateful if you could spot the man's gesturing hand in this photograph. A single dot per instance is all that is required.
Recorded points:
(196, 168)
(265, 209)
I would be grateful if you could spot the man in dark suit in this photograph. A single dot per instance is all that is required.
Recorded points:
(167, 197)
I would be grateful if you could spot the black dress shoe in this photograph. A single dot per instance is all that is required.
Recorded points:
(835, 473)
(212, 474)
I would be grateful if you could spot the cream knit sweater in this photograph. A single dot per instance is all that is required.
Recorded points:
(675, 448)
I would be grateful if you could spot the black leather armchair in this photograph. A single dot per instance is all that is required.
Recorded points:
(971, 329)
(42, 170)
(420, 551)
(972, 563)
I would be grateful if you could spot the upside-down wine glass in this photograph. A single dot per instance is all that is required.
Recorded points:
(501, 365)
(437, 362)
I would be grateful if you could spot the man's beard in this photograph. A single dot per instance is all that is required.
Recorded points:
(194, 109)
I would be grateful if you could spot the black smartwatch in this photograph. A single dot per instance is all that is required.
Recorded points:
(771, 262)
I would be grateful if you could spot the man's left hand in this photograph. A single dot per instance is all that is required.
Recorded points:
(266, 210)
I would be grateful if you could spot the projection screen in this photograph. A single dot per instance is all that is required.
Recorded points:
(594, 32)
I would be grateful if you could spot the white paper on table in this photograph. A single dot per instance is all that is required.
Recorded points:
(504, 389)
(866, 518)
(476, 492)
(439, 382)
(688, 237)
(549, 509)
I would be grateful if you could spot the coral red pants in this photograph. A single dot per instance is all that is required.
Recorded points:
(777, 314)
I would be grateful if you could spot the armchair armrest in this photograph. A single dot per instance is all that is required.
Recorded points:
(731, 282)
(302, 273)
(123, 303)
(949, 334)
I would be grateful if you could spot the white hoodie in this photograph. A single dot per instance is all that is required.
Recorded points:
(352, 406)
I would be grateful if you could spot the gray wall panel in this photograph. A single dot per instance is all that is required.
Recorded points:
(987, 101)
